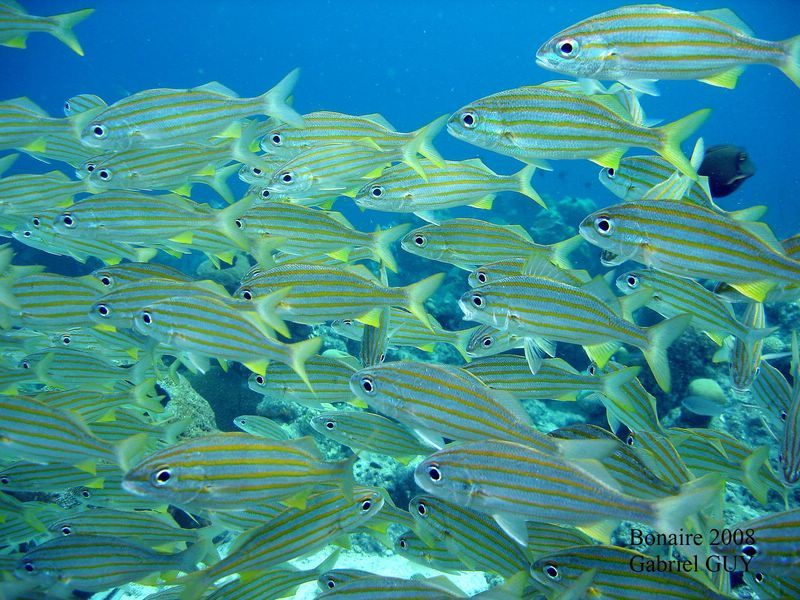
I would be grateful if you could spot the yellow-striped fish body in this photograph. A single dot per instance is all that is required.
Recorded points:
(693, 241)
(650, 41)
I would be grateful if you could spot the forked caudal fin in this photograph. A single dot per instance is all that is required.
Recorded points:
(673, 134)
(660, 337)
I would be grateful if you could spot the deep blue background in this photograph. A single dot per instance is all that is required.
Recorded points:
(410, 61)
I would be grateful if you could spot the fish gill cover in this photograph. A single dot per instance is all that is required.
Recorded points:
(383, 300)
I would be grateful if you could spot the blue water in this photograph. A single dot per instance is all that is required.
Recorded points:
(410, 61)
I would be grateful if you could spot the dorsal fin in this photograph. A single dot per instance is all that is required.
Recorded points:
(379, 119)
(217, 88)
(727, 16)
(520, 231)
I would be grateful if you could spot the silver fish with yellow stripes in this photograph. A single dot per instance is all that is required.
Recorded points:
(82, 563)
(746, 353)
(25, 476)
(772, 395)
(692, 241)
(329, 377)
(473, 537)
(118, 347)
(339, 170)
(326, 128)
(26, 126)
(618, 573)
(301, 230)
(81, 103)
(362, 430)
(555, 379)
(632, 406)
(768, 544)
(488, 340)
(534, 123)
(411, 547)
(134, 217)
(516, 483)
(224, 471)
(649, 41)
(382, 586)
(437, 400)
(635, 175)
(294, 532)
(165, 117)
(399, 189)
(675, 295)
(469, 243)
(94, 406)
(204, 326)
(65, 368)
(27, 194)
(375, 340)
(261, 426)
(538, 306)
(790, 443)
(16, 25)
(311, 294)
(113, 276)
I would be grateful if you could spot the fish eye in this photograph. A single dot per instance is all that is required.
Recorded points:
(434, 474)
(162, 476)
(287, 177)
(99, 131)
(25, 364)
(611, 172)
(276, 139)
(477, 300)
(552, 572)
(26, 234)
(367, 385)
(376, 191)
(750, 550)
(330, 425)
(469, 120)
(420, 240)
(604, 226)
(256, 171)
(66, 340)
(106, 280)
(382, 357)
(265, 193)
(783, 415)
(86, 493)
(66, 530)
(104, 174)
(67, 106)
(632, 281)
(758, 577)
(259, 379)
(366, 505)
(331, 584)
(742, 156)
(567, 48)
(591, 370)
(402, 543)
(487, 342)
(28, 566)
(247, 294)
(68, 220)
(90, 167)
(4, 480)
(347, 322)
(239, 224)
(481, 276)
(630, 440)
(147, 318)
(421, 508)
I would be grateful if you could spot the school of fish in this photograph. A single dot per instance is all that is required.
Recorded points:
(106, 482)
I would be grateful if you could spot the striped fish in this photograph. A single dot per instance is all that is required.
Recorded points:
(746, 354)
(533, 123)
(97, 563)
(411, 547)
(499, 269)
(16, 25)
(24, 476)
(301, 230)
(773, 587)
(82, 103)
(93, 406)
(25, 126)
(381, 586)
(529, 305)
(65, 368)
(327, 128)
(442, 400)
(334, 169)
(117, 347)
(401, 189)
(24, 525)
(361, 430)
(546, 538)
(250, 516)
(329, 377)
(48, 301)
(771, 543)
(487, 340)
(375, 340)
(556, 379)
(473, 537)
(470, 243)
(772, 394)
(650, 41)
(113, 276)
(636, 175)
(146, 527)
(222, 471)
(692, 241)
(516, 483)
(292, 533)
(790, 442)
(28, 194)
(658, 452)
(676, 295)
(618, 573)
(112, 495)
(166, 117)
(260, 426)
(312, 294)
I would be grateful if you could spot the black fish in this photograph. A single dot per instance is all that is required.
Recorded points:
(726, 167)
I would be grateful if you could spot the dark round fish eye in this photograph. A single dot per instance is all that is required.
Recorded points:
(265, 194)
(4, 480)
(481, 276)
(26, 234)
(783, 415)
(247, 294)
(147, 318)
(99, 132)
(758, 577)
(66, 340)
(376, 191)
(402, 543)
(611, 173)
(86, 493)
(434, 474)
(66, 530)
(366, 505)
(419, 240)
(259, 380)
(256, 171)
(28, 566)
(487, 342)
(330, 425)
(551, 572)
(331, 584)
(632, 281)
(104, 174)
(276, 139)
(287, 177)
(67, 220)
(421, 508)
(67, 106)
(103, 310)
(750, 550)
(25, 364)
(592, 370)
(469, 120)
(604, 226)
(90, 167)
(567, 48)
(367, 385)
(477, 301)
(630, 440)
(239, 224)
(163, 476)
(105, 280)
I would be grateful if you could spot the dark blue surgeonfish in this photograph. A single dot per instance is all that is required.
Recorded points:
(726, 166)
